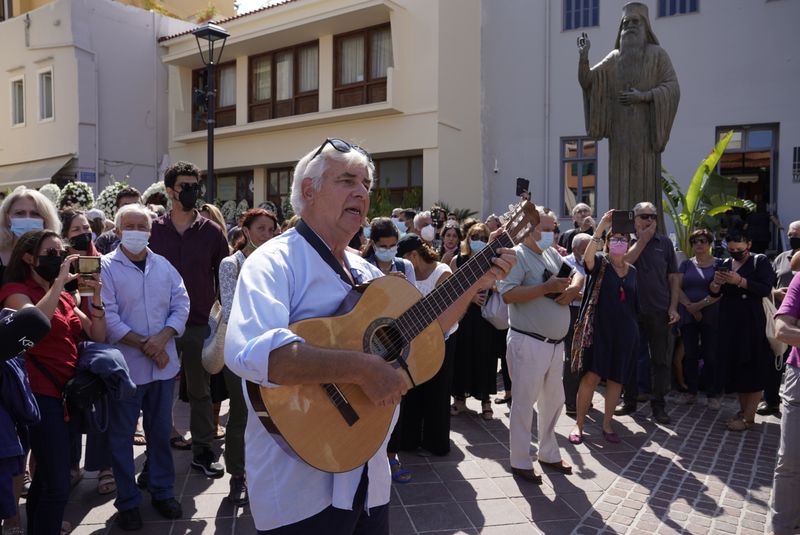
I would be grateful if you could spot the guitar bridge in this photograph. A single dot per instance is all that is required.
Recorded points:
(342, 405)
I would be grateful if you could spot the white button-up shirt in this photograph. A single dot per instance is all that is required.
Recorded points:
(282, 282)
(143, 303)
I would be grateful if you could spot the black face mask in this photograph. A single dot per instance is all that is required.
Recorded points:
(738, 255)
(188, 196)
(48, 267)
(81, 241)
(794, 243)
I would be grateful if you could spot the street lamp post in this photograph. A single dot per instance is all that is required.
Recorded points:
(211, 34)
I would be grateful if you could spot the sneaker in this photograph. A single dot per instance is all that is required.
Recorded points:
(168, 508)
(129, 520)
(238, 494)
(571, 410)
(764, 409)
(626, 408)
(686, 399)
(714, 404)
(207, 463)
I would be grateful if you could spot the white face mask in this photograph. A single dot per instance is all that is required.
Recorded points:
(427, 233)
(135, 241)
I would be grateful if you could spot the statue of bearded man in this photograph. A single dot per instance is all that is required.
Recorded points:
(631, 97)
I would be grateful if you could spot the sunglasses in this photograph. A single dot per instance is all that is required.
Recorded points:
(189, 186)
(480, 238)
(342, 146)
(648, 216)
(698, 240)
(54, 252)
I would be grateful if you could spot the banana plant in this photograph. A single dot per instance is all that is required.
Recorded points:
(708, 195)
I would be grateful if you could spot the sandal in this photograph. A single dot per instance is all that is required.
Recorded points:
(180, 443)
(739, 425)
(138, 439)
(106, 484)
(486, 410)
(399, 474)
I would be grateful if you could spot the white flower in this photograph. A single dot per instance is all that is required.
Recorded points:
(51, 191)
(76, 194)
(228, 210)
(107, 200)
(241, 209)
(157, 187)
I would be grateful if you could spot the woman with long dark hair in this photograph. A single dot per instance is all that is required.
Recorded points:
(381, 249)
(36, 275)
(258, 226)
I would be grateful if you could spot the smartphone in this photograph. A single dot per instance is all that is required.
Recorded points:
(622, 222)
(88, 265)
(723, 269)
(523, 186)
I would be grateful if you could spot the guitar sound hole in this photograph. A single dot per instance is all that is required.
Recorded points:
(386, 342)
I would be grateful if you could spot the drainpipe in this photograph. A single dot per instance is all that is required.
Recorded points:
(546, 171)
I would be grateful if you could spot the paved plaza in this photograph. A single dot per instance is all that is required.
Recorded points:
(691, 477)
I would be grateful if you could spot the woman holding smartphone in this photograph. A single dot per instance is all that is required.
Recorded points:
(37, 272)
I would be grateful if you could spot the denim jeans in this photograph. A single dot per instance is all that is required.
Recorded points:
(154, 400)
(49, 490)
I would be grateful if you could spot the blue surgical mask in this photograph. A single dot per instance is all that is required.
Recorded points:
(367, 232)
(385, 254)
(476, 245)
(546, 240)
(401, 225)
(21, 225)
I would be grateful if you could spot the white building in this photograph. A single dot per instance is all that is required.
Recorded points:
(84, 94)
(737, 65)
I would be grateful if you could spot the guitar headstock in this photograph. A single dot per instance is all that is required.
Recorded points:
(517, 219)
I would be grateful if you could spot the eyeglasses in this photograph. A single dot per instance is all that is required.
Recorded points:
(480, 238)
(648, 216)
(698, 240)
(341, 146)
(617, 240)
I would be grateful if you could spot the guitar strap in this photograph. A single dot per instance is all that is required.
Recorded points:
(322, 250)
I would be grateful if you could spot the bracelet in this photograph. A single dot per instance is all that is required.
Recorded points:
(101, 306)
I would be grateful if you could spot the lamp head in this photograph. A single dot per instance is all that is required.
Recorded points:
(211, 33)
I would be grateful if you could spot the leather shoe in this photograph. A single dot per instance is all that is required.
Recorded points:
(527, 474)
(129, 520)
(660, 415)
(627, 408)
(559, 466)
(169, 508)
(238, 494)
(764, 409)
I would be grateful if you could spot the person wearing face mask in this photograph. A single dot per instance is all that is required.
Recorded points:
(109, 240)
(36, 274)
(653, 254)
(423, 227)
(538, 295)
(742, 281)
(22, 211)
(381, 250)
(784, 275)
(147, 306)
(258, 227)
(475, 368)
(609, 311)
(195, 246)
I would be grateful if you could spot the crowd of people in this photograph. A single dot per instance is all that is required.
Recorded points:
(594, 305)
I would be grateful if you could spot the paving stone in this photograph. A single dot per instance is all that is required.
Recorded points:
(442, 516)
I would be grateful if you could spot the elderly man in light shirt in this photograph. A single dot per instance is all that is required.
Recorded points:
(284, 281)
(146, 308)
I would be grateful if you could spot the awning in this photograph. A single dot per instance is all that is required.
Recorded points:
(32, 174)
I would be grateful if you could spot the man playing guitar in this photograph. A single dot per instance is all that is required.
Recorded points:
(285, 281)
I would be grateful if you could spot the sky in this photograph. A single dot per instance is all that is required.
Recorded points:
(249, 5)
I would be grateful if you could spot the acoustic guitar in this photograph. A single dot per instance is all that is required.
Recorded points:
(335, 427)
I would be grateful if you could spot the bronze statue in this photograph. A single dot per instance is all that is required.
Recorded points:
(631, 97)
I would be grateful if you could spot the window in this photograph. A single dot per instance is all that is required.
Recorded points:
(581, 14)
(579, 172)
(18, 101)
(236, 187)
(668, 8)
(279, 185)
(46, 95)
(225, 85)
(361, 60)
(284, 82)
(402, 177)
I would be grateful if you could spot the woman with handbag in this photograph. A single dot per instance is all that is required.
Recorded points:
(258, 226)
(606, 340)
(743, 281)
(36, 275)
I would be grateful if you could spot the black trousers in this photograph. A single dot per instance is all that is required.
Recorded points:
(425, 411)
(773, 384)
(333, 521)
(655, 332)
(571, 380)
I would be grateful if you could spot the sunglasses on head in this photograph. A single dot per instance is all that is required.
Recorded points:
(648, 216)
(342, 146)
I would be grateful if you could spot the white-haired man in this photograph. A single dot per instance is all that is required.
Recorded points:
(423, 226)
(659, 284)
(146, 308)
(783, 271)
(287, 280)
(583, 223)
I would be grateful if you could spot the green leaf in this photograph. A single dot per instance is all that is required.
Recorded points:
(706, 167)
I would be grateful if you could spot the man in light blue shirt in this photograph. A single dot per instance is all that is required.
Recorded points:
(285, 281)
(146, 308)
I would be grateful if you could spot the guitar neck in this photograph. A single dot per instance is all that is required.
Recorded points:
(427, 310)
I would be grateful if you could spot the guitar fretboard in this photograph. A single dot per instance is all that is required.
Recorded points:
(425, 311)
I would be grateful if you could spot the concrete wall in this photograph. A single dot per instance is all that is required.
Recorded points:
(736, 62)
(184, 9)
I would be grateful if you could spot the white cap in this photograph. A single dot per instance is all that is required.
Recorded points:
(95, 213)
